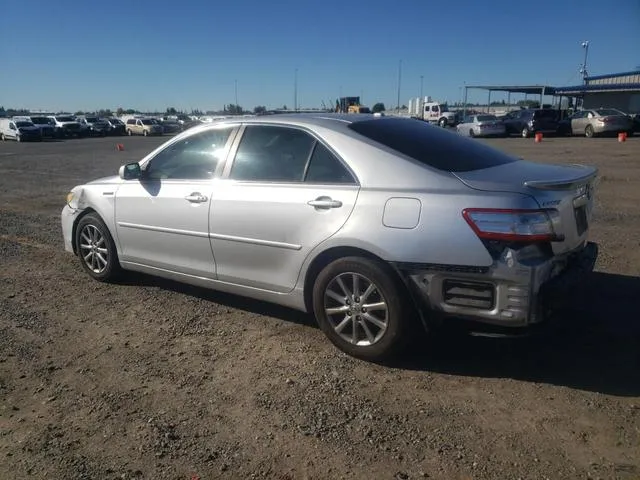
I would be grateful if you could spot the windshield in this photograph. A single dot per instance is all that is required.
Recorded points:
(148, 121)
(91, 119)
(40, 120)
(444, 108)
(604, 112)
(486, 118)
(430, 145)
(24, 124)
(65, 119)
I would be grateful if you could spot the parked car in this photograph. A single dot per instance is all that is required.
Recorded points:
(170, 126)
(66, 126)
(143, 126)
(365, 222)
(19, 130)
(531, 121)
(597, 122)
(481, 126)
(46, 126)
(92, 126)
(115, 126)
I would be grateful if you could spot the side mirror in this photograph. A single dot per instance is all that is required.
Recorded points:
(130, 171)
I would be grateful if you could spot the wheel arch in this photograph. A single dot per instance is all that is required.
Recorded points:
(83, 214)
(326, 257)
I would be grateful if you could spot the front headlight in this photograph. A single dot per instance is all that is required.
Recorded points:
(70, 197)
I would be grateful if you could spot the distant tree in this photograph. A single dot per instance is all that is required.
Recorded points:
(284, 107)
(528, 103)
(130, 111)
(171, 111)
(79, 112)
(104, 113)
(378, 107)
(120, 111)
(259, 109)
(403, 106)
(196, 112)
(234, 109)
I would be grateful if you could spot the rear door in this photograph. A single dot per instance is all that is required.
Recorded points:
(283, 194)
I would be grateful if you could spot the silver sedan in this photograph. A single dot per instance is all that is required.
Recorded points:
(481, 126)
(373, 225)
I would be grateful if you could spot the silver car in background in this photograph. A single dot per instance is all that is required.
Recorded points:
(481, 125)
(598, 122)
(374, 225)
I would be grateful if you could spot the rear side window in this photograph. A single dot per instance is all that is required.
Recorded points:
(430, 145)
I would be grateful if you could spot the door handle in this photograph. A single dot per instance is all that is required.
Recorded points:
(324, 203)
(196, 197)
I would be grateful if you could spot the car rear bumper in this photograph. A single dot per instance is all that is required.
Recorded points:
(510, 293)
(613, 128)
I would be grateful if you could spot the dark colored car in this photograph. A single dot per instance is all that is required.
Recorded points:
(46, 126)
(531, 121)
(115, 126)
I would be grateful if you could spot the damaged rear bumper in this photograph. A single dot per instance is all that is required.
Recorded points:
(515, 293)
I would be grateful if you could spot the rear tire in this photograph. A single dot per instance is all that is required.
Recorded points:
(471, 134)
(362, 308)
(588, 132)
(96, 249)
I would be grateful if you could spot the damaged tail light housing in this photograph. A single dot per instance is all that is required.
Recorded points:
(511, 225)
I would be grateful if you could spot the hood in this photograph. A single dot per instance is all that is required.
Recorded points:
(110, 180)
(29, 129)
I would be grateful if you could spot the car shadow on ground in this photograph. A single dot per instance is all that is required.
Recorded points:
(595, 346)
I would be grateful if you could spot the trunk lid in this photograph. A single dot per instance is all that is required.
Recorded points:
(568, 189)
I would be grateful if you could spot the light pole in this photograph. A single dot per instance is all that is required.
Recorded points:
(583, 70)
(421, 98)
(399, 80)
(295, 90)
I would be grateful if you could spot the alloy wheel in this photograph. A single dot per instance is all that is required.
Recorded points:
(93, 249)
(356, 309)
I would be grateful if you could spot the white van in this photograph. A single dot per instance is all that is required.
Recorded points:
(19, 130)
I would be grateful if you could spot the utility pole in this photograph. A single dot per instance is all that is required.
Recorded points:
(421, 98)
(295, 90)
(399, 80)
(583, 70)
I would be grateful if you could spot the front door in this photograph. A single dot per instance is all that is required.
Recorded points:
(284, 194)
(162, 219)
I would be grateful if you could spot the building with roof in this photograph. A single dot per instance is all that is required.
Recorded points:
(615, 90)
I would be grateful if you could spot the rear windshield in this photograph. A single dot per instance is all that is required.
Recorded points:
(430, 145)
(545, 114)
(604, 112)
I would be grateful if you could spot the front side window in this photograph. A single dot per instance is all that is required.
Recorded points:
(272, 154)
(193, 158)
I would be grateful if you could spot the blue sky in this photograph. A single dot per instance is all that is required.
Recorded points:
(152, 54)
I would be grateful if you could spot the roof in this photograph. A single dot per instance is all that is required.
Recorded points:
(614, 75)
(582, 89)
(528, 89)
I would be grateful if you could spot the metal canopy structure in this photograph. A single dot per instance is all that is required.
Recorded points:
(540, 90)
(580, 90)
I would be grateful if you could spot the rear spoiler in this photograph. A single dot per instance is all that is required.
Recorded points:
(566, 183)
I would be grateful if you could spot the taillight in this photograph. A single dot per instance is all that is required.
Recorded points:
(511, 225)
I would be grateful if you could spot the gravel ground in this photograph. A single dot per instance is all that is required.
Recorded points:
(149, 379)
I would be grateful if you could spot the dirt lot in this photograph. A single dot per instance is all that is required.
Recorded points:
(151, 379)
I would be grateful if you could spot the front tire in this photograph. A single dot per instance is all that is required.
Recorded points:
(525, 132)
(443, 122)
(96, 249)
(361, 308)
